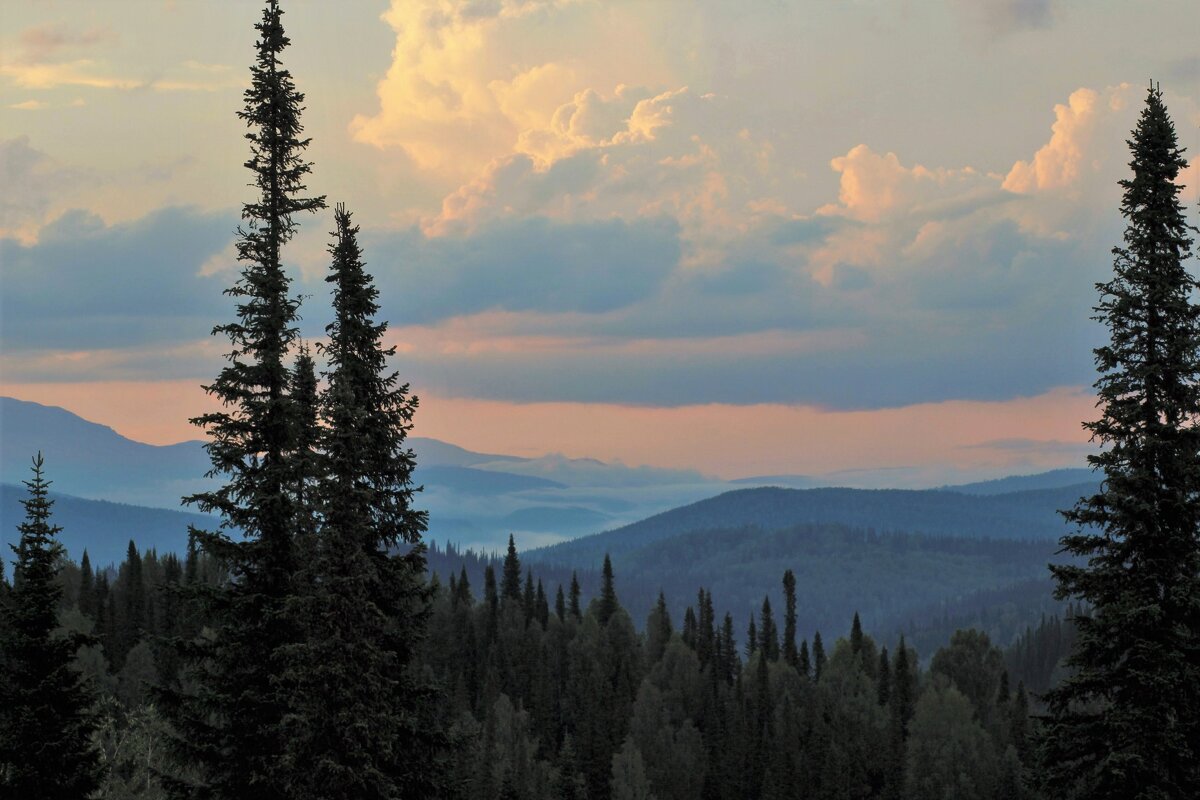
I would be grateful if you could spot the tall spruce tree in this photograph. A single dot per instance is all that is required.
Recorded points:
(362, 721)
(230, 729)
(1126, 722)
(46, 723)
(790, 654)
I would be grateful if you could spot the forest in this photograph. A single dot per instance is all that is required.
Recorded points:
(313, 645)
(548, 692)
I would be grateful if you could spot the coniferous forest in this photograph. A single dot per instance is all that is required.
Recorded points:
(313, 646)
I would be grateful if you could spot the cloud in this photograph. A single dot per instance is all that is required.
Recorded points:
(531, 264)
(473, 82)
(46, 42)
(1069, 157)
(1004, 17)
(874, 186)
(84, 285)
(31, 179)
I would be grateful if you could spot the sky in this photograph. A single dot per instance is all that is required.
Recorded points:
(743, 238)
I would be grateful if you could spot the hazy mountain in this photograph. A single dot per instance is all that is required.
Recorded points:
(473, 498)
(103, 528)
(94, 461)
(1015, 515)
(1054, 479)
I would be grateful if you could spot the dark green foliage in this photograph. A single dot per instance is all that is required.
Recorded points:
(768, 634)
(790, 654)
(232, 728)
(818, 656)
(46, 722)
(361, 722)
(973, 666)
(890, 579)
(1126, 722)
(511, 586)
(606, 604)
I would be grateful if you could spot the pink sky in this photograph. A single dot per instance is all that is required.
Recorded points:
(936, 440)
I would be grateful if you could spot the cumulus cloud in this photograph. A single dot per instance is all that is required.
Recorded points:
(1069, 157)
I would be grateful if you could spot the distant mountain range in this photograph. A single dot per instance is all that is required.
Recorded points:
(898, 556)
(477, 499)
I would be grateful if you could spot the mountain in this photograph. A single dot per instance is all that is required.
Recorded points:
(94, 461)
(1054, 479)
(101, 527)
(473, 498)
(1015, 515)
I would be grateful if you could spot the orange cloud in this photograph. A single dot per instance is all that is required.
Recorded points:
(1068, 155)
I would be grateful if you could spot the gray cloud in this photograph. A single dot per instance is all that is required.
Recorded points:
(85, 285)
(532, 264)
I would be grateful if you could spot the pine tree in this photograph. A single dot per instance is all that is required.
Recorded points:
(818, 652)
(575, 608)
(884, 677)
(362, 721)
(790, 654)
(606, 604)
(46, 723)
(134, 618)
(768, 634)
(511, 585)
(1126, 722)
(230, 731)
(87, 587)
(856, 635)
(658, 630)
(305, 455)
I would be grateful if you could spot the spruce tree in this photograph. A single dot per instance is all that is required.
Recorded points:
(230, 729)
(575, 609)
(362, 722)
(790, 654)
(606, 604)
(768, 634)
(1126, 722)
(46, 722)
(511, 585)
(87, 587)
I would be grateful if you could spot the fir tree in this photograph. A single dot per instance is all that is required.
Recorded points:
(305, 455)
(575, 608)
(366, 609)
(133, 620)
(46, 723)
(230, 731)
(1126, 722)
(606, 604)
(856, 635)
(818, 652)
(884, 677)
(560, 604)
(790, 654)
(658, 630)
(511, 584)
(87, 587)
(768, 634)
